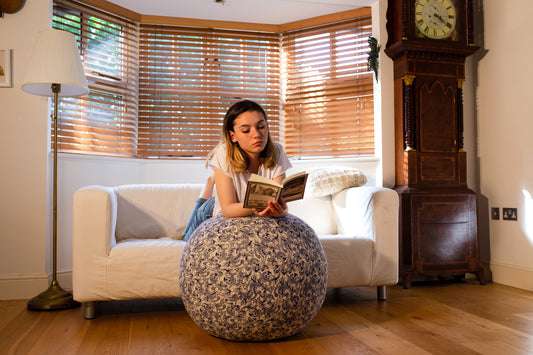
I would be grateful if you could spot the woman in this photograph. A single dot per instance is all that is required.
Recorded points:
(246, 148)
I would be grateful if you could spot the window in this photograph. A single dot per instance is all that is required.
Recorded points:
(328, 90)
(104, 121)
(188, 79)
(162, 91)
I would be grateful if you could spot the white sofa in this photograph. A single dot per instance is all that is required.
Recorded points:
(127, 239)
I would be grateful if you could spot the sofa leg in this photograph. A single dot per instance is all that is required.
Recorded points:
(382, 293)
(89, 309)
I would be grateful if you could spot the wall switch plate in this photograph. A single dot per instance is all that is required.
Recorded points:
(495, 213)
(510, 214)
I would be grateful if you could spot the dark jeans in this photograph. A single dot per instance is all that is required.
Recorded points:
(203, 210)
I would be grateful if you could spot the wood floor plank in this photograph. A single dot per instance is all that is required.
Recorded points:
(501, 304)
(10, 310)
(328, 337)
(430, 318)
(23, 332)
(468, 329)
(373, 335)
(63, 335)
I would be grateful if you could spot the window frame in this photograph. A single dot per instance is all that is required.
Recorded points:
(104, 122)
(133, 82)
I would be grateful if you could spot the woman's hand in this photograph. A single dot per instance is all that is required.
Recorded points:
(274, 209)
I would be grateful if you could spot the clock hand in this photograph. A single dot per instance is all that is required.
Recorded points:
(440, 18)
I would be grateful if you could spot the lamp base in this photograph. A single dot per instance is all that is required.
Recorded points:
(54, 298)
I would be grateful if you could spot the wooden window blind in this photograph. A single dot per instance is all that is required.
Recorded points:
(328, 90)
(104, 121)
(190, 76)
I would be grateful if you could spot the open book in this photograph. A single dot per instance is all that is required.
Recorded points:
(261, 190)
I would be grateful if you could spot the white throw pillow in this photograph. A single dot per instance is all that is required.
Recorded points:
(325, 181)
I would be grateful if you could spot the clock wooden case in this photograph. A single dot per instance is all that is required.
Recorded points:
(429, 41)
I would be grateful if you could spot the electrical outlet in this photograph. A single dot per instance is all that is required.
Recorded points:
(495, 213)
(510, 214)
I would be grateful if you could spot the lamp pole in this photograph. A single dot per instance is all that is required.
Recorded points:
(54, 297)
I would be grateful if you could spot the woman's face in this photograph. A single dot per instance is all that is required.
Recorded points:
(250, 130)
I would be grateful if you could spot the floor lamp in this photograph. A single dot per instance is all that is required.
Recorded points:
(55, 70)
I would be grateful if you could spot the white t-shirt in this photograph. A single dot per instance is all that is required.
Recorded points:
(240, 180)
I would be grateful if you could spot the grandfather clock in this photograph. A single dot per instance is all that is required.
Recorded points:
(429, 41)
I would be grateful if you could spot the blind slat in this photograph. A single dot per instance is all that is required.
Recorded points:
(189, 79)
(104, 121)
(328, 97)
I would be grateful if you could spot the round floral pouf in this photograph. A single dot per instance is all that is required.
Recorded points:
(253, 278)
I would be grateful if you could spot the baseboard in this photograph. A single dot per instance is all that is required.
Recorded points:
(511, 275)
(20, 287)
(28, 286)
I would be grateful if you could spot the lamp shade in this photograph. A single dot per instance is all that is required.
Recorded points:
(55, 59)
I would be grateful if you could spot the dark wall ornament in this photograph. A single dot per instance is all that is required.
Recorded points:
(10, 6)
(373, 56)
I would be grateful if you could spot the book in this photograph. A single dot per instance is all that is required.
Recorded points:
(261, 190)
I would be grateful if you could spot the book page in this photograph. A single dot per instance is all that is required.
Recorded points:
(260, 191)
(294, 187)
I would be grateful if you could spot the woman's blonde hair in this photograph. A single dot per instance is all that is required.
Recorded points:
(237, 158)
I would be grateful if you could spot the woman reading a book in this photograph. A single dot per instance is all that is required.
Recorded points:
(245, 148)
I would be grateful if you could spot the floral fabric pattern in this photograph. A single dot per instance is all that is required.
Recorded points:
(253, 278)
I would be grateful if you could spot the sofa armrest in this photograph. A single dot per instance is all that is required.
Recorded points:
(94, 221)
(372, 213)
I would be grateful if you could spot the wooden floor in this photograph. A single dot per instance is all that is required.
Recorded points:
(460, 317)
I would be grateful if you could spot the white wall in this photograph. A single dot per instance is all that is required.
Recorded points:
(23, 129)
(504, 130)
(384, 102)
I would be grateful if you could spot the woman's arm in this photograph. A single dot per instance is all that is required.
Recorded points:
(231, 207)
(279, 179)
(227, 196)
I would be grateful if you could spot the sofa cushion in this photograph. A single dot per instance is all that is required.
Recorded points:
(317, 212)
(142, 268)
(350, 259)
(323, 181)
(147, 212)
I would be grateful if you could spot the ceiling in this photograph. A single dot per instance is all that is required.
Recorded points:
(274, 12)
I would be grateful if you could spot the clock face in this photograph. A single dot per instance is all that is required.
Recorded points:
(435, 18)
